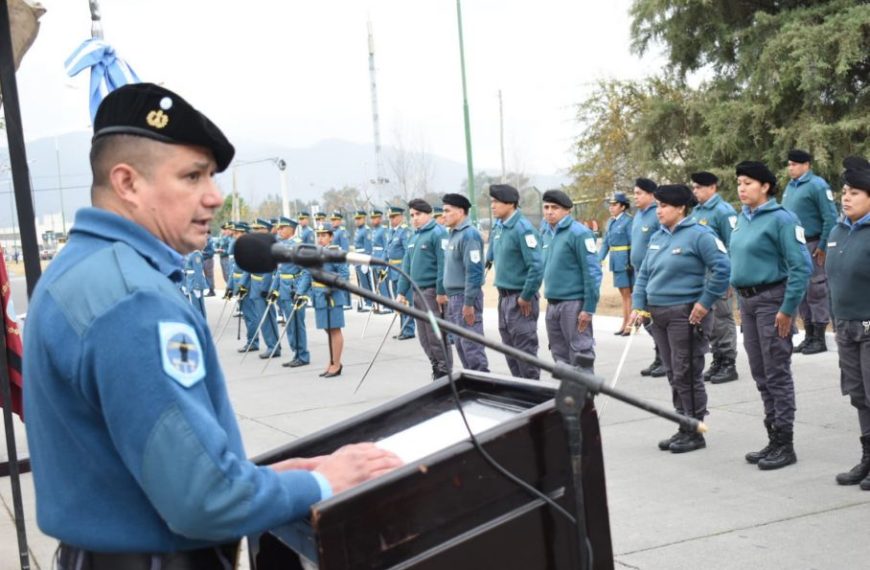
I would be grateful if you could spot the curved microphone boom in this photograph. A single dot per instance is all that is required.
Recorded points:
(261, 253)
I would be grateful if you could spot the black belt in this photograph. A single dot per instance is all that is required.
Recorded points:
(812, 238)
(506, 292)
(218, 557)
(746, 292)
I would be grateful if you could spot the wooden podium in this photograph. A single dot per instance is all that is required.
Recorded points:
(450, 509)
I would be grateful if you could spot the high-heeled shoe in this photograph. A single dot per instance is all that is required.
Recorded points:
(334, 374)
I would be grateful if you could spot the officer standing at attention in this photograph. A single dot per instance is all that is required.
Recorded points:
(290, 289)
(685, 271)
(515, 249)
(261, 283)
(306, 234)
(438, 215)
(770, 267)
(397, 243)
(463, 280)
(809, 197)
(223, 249)
(339, 233)
(238, 286)
(572, 278)
(617, 242)
(328, 305)
(161, 478)
(362, 243)
(846, 264)
(718, 215)
(194, 281)
(380, 237)
(644, 224)
(208, 265)
(424, 262)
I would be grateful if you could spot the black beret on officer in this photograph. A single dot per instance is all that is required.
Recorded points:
(757, 171)
(798, 155)
(154, 112)
(420, 205)
(858, 179)
(856, 163)
(559, 198)
(457, 200)
(646, 185)
(675, 195)
(704, 178)
(505, 193)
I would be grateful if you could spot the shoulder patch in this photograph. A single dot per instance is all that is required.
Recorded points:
(732, 221)
(720, 245)
(181, 353)
(444, 243)
(799, 234)
(591, 246)
(830, 195)
(474, 255)
(531, 241)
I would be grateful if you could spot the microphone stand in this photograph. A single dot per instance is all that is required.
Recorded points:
(575, 384)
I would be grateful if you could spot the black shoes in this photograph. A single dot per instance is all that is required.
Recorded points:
(268, 354)
(859, 473)
(815, 343)
(755, 456)
(251, 349)
(782, 454)
(328, 374)
(727, 372)
(715, 366)
(665, 444)
(683, 442)
(403, 336)
(656, 370)
(295, 363)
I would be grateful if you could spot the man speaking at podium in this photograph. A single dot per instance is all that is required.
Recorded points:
(137, 458)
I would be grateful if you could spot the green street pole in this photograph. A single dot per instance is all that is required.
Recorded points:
(467, 121)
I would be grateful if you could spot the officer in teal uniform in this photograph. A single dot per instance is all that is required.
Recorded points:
(809, 197)
(261, 283)
(643, 226)
(617, 243)
(362, 243)
(291, 286)
(304, 231)
(222, 248)
(685, 271)
(328, 305)
(380, 237)
(770, 267)
(718, 215)
(846, 263)
(208, 265)
(515, 250)
(138, 460)
(195, 281)
(397, 243)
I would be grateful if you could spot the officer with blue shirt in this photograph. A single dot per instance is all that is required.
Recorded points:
(305, 233)
(685, 271)
(770, 267)
(362, 243)
(809, 197)
(328, 305)
(846, 264)
(291, 286)
(644, 224)
(380, 237)
(195, 281)
(397, 242)
(222, 248)
(261, 283)
(515, 249)
(617, 243)
(149, 472)
(339, 233)
(239, 286)
(572, 278)
(463, 280)
(208, 265)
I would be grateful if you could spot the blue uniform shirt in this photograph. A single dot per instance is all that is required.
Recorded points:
(194, 272)
(617, 242)
(397, 242)
(380, 236)
(362, 240)
(811, 200)
(307, 234)
(340, 239)
(463, 263)
(290, 279)
(848, 269)
(718, 215)
(644, 224)
(572, 270)
(208, 250)
(134, 443)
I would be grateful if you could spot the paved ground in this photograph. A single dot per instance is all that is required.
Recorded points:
(708, 509)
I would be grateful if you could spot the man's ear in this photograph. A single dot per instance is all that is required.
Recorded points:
(124, 181)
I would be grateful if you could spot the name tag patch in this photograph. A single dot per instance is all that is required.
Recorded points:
(654, 246)
(181, 353)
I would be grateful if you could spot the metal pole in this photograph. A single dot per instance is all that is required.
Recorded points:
(285, 193)
(60, 186)
(467, 120)
(235, 207)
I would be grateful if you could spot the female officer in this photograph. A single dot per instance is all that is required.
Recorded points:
(684, 272)
(617, 241)
(848, 276)
(770, 267)
(328, 306)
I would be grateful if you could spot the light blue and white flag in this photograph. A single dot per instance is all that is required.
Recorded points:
(108, 71)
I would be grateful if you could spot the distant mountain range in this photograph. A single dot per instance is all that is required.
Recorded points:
(61, 163)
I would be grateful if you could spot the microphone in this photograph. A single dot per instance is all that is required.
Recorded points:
(261, 253)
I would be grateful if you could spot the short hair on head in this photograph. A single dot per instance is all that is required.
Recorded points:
(139, 152)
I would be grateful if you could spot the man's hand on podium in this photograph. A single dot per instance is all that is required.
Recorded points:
(355, 464)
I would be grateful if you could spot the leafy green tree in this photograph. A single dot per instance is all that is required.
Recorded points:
(225, 213)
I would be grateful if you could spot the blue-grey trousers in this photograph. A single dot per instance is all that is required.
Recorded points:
(471, 354)
(430, 343)
(815, 307)
(565, 340)
(519, 332)
(853, 346)
(723, 335)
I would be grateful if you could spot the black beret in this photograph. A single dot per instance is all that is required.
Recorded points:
(558, 197)
(457, 200)
(646, 184)
(675, 195)
(505, 193)
(420, 205)
(856, 163)
(757, 171)
(858, 179)
(798, 155)
(152, 111)
(704, 178)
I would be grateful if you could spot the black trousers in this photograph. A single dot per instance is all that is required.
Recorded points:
(216, 558)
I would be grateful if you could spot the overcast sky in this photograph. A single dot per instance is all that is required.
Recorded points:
(297, 72)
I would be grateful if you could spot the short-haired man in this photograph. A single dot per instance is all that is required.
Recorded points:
(397, 246)
(644, 224)
(362, 243)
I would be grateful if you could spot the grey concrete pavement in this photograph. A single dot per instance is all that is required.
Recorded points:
(707, 509)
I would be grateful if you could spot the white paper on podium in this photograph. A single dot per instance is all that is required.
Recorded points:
(443, 430)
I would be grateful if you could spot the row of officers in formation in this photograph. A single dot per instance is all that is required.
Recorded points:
(678, 262)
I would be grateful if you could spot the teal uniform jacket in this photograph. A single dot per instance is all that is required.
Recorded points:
(307, 234)
(617, 242)
(515, 249)
(463, 263)
(547, 234)
(811, 200)
(572, 270)
(424, 259)
(643, 226)
(718, 215)
(688, 265)
(768, 246)
(848, 265)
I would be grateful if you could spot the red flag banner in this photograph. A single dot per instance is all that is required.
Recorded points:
(14, 346)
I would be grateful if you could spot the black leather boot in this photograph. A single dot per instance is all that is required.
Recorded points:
(816, 343)
(808, 334)
(688, 442)
(727, 372)
(665, 444)
(754, 456)
(657, 364)
(858, 473)
(715, 366)
(782, 454)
